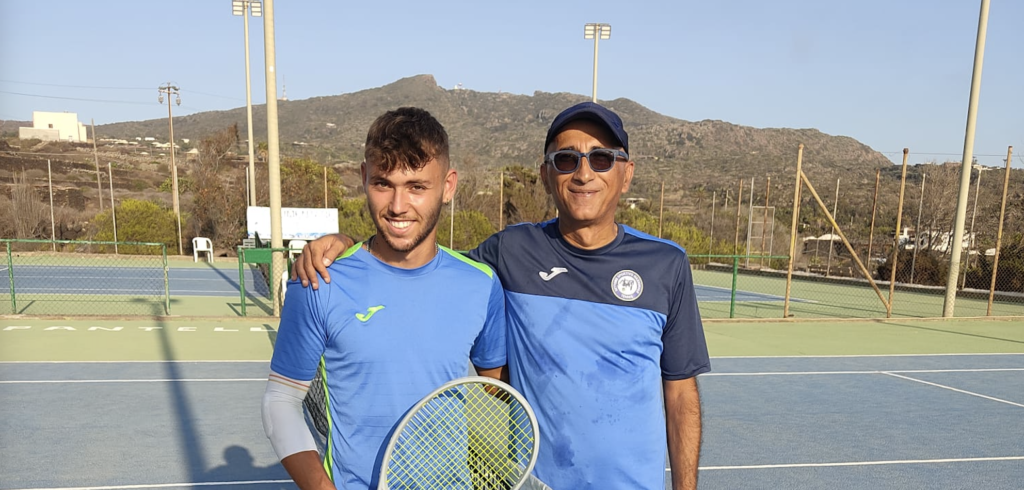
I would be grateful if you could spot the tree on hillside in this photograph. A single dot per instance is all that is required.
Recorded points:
(214, 148)
(525, 197)
(302, 184)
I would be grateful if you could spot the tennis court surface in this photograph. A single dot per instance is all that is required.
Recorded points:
(147, 404)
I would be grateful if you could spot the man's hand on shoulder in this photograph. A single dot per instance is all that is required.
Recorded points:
(317, 256)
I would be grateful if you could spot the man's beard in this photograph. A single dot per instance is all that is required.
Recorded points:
(432, 216)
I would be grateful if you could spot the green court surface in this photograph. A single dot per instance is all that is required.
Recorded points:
(28, 339)
(818, 298)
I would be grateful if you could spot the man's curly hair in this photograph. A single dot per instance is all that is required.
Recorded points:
(406, 139)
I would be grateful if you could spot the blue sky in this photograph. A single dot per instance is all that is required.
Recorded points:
(889, 73)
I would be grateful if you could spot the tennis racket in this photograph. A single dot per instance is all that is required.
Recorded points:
(316, 408)
(473, 433)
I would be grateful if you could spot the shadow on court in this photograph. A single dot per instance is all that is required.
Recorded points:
(238, 461)
(233, 281)
(238, 467)
(271, 334)
(954, 332)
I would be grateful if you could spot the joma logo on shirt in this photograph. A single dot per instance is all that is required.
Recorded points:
(365, 317)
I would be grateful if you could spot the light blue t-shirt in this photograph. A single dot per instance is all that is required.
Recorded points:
(388, 337)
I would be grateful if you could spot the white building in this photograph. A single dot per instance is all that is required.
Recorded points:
(54, 126)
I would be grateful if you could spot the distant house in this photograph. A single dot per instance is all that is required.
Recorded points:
(54, 126)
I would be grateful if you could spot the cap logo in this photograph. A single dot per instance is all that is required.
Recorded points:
(627, 285)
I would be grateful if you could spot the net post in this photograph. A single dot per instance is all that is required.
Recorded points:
(167, 283)
(10, 279)
(732, 296)
(241, 277)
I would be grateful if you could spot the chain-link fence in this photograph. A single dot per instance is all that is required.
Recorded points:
(255, 273)
(847, 229)
(76, 278)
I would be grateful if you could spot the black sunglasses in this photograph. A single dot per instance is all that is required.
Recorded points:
(600, 159)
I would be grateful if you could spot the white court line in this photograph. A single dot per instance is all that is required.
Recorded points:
(860, 463)
(811, 373)
(166, 485)
(164, 380)
(781, 373)
(872, 355)
(955, 389)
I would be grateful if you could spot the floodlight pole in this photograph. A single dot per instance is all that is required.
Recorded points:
(965, 173)
(596, 31)
(594, 91)
(273, 151)
(171, 89)
(241, 7)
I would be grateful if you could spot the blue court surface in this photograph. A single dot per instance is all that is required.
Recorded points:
(856, 422)
(78, 280)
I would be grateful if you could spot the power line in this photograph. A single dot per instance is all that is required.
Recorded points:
(938, 154)
(210, 95)
(74, 86)
(74, 98)
(110, 88)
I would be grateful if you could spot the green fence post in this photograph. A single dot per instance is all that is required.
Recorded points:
(10, 279)
(241, 277)
(732, 299)
(167, 282)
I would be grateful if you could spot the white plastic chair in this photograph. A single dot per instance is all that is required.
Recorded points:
(201, 244)
(295, 248)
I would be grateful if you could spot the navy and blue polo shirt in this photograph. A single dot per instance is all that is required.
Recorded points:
(591, 336)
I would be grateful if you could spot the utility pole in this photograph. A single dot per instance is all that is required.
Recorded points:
(169, 90)
(96, 159)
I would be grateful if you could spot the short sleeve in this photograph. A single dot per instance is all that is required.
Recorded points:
(302, 334)
(685, 352)
(487, 251)
(489, 350)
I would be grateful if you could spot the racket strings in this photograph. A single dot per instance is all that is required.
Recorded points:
(470, 436)
(316, 402)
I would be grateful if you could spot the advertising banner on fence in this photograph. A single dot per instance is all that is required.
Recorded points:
(296, 223)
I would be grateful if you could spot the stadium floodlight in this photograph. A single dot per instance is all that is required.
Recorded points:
(242, 8)
(596, 31)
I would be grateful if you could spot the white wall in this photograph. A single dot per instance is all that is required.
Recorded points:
(66, 124)
(39, 134)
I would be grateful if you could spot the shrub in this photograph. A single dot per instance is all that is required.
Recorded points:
(138, 221)
(929, 268)
(354, 219)
(471, 228)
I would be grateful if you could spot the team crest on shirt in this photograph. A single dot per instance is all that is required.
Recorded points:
(627, 285)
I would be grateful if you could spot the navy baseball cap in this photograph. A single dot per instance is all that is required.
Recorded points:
(593, 112)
